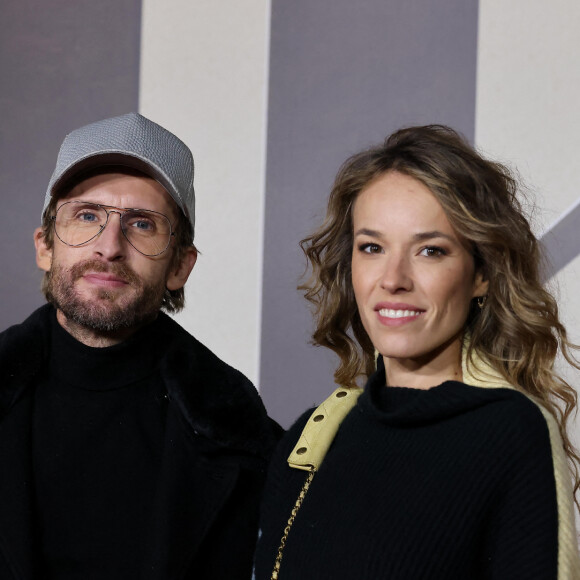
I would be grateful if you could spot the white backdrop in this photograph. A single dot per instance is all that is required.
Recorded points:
(204, 76)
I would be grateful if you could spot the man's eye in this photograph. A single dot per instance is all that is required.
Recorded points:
(141, 223)
(87, 217)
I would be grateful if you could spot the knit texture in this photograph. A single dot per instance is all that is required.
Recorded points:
(456, 482)
(479, 374)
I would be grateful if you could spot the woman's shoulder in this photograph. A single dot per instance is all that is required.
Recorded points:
(509, 403)
(514, 410)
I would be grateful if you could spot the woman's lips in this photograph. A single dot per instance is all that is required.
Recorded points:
(397, 314)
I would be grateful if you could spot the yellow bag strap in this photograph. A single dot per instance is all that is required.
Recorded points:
(316, 437)
(321, 428)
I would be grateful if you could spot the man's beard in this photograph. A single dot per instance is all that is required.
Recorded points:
(108, 311)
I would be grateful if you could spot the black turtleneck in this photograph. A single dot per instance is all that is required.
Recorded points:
(455, 483)
(98, 431)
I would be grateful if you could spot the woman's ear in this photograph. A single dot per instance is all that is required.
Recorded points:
(43, 252)
(480, 285)
(178, 276)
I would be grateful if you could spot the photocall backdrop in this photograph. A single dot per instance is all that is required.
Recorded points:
(272, 97)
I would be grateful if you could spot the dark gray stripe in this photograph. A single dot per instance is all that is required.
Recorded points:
(343, 75)
(63, 64)
(561, 243)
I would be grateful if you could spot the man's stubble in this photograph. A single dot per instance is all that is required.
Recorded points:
(109, 311)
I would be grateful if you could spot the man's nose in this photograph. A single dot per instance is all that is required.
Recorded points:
(111, 242)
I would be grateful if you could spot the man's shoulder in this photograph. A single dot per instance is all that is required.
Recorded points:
(187, 359)
(27, 336)
(40, 316)
(219, 401)
(22, 354)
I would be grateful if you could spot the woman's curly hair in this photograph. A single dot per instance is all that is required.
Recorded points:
(518, 331)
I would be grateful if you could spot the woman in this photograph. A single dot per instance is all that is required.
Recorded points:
(454, 461)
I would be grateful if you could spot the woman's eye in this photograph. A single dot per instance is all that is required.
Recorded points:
(369, 248)
(433, 252)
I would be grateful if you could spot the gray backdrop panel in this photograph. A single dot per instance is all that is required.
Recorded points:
(343, 75)
(63, 64)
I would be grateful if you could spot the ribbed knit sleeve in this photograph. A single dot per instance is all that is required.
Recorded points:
(521, 534)
(524, 507)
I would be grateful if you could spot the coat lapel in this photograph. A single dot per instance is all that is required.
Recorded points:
(190, 494)
(215, 416)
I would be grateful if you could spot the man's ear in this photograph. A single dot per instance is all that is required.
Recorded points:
(178, 276)
(43, 252)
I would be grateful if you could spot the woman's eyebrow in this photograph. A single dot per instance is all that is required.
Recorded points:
(419, 237)
(368, 232)
(422, 236)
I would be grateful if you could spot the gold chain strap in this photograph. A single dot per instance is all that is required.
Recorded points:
(291, 519)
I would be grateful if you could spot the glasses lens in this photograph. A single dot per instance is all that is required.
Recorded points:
(76, 222)
(149, 232)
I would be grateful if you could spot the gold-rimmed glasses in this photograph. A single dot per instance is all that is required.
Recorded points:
(78, 222)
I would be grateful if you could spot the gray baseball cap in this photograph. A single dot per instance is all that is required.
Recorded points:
(133, 141)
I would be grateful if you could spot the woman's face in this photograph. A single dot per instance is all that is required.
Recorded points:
(413, 279)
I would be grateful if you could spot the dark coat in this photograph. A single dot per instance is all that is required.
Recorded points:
(217, 444)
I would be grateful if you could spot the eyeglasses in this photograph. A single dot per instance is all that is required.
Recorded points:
(78, 222)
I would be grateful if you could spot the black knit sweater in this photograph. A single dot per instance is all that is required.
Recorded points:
(456, 482)
(98, 435)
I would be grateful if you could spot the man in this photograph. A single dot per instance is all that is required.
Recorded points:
(127, 449)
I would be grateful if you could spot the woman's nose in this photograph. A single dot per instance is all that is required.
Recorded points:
(397, 275)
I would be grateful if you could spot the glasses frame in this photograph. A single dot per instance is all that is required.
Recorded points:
(109, 209)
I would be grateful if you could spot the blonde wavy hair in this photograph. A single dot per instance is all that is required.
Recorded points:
(518, 331)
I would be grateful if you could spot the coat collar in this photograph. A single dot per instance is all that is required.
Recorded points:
(217, 401)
